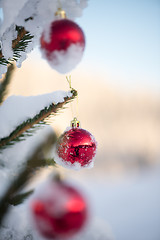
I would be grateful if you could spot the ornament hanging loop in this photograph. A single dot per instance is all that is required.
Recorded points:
(75, 123)
(60, 12)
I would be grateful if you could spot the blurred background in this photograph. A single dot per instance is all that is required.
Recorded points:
(118, 81)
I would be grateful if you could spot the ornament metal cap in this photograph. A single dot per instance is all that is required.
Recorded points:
(75, 123)
(60, 13)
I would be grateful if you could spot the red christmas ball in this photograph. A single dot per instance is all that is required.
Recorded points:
(59, 213)
(76, 147)
(63, 44)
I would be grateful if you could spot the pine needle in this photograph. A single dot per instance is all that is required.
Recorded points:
(41, 116)
(20, 198)
(18, 45)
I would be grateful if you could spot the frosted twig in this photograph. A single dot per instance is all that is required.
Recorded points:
(42, 115)
(21, 34)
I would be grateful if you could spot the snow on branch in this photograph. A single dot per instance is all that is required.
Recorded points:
(18, 46)
(19, 113)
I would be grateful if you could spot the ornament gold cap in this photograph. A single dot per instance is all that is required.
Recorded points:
(75, 123)
(60, 13)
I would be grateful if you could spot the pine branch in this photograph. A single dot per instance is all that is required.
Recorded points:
(35, 160)
(18, 45)
(5, 83)
(20, 35)
(41, 116)
(20, 198)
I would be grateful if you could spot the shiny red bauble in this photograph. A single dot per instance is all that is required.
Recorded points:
(63, 44)
(60, 211)
(76, 146)
(62, 34)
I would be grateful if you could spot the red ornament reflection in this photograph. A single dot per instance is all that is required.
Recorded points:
(61, 213)
(76, 145)
(63, 33)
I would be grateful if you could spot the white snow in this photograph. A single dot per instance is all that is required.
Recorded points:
(3, 69)
(42, 13)
(65, 60)
(17, 109)
(10, 229)
(11, 10)
(72, 166)
(13, 158)
(7, 45)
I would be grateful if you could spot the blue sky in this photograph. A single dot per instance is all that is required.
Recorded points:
(123, 41)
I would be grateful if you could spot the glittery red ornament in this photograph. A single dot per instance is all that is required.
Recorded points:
(76, 146)
(60, 212)
(63, 44)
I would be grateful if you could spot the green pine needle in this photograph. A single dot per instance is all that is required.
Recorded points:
(39, 118)
(19, 198)
(18, 45)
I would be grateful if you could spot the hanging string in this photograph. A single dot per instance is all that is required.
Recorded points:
(69, 82)
(59, 3)
(77, 112)
(70, 86)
